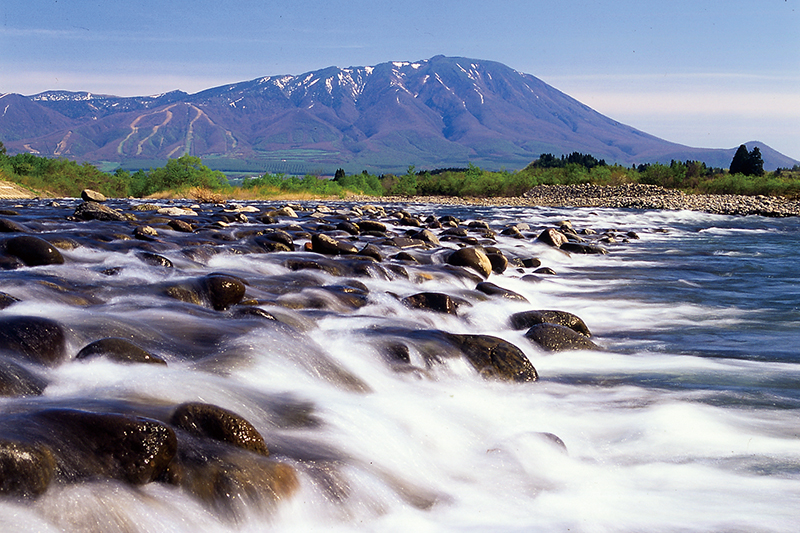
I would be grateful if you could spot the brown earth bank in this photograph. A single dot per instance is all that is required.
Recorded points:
(11, 191)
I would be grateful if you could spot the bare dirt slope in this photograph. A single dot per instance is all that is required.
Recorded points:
(9, 191)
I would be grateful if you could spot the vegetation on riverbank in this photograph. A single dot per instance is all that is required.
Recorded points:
(187, 176)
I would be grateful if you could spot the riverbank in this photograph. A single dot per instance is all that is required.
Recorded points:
(629, 196)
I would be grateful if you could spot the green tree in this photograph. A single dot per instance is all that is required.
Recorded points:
(739, 160)
(755, 164)
(186, 171)
(407, 184)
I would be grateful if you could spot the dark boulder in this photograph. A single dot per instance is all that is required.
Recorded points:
(16, 380)
(372, 225)
(526, 319)
(153, 259)
(473, 258)
(9, 226)
(216, 423)
(432, 301)
(218, 291)
(26, 470)
(95, 446)
(6, 300)
(180, 225)
(33, 251)
(119, 350)
(494, 357)
(582, 248)
(557, 338)
(228, 479)
(487, 287)
(370, 250)
(97, 211)
(348, 227)
(498, 260)
(327, 245)
(223, 291)
(35, 339)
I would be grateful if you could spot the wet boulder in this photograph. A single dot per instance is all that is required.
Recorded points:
(498, 260)
(225, 477)
(473, 258)
(35, 339)
(583, 248)
(432, 301)
(216, 423)
(223, 291)
(16, 380)
(98, 211)
(26, 470)
(9, 226)
(96, 446)
(487, 287)
(180, 225)
(119, 350)
(494, 357)
(6, 300)
(557, 338)
(33, 251)
(553, 237)
(218, 291)
(526, 319)
(327, 245)
(153, 259)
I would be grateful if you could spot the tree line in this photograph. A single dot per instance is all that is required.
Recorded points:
(61, 177)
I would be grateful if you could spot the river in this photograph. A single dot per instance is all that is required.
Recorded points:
(687, 419)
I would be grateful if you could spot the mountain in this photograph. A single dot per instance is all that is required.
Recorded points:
(440, 112)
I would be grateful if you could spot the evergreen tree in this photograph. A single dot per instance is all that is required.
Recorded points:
(739, 160)
(755, 164)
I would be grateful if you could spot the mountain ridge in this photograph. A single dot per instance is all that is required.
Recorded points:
(439, 112)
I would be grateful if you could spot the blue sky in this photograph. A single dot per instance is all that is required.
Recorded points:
(702, 73)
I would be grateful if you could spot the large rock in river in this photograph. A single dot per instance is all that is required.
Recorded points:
(556, 338)
(474, 258)
(495, 357)
(213, 422)
(33, 251)
(526, 319)
(35, 339)
(96, 446)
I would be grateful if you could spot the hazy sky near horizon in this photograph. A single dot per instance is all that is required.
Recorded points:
(710, 73)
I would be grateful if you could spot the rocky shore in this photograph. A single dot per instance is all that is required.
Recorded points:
(629, 196)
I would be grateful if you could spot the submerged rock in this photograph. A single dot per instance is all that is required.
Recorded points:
(33, 251)
(35, 339)
(119, 350)
(494, 357)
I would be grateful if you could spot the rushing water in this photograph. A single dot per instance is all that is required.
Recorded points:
(688, 420)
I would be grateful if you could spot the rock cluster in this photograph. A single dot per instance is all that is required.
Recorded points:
(311, 262)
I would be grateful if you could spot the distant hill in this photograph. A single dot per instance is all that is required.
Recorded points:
(441, 112)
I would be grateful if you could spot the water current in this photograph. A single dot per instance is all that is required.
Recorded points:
(688, 419)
